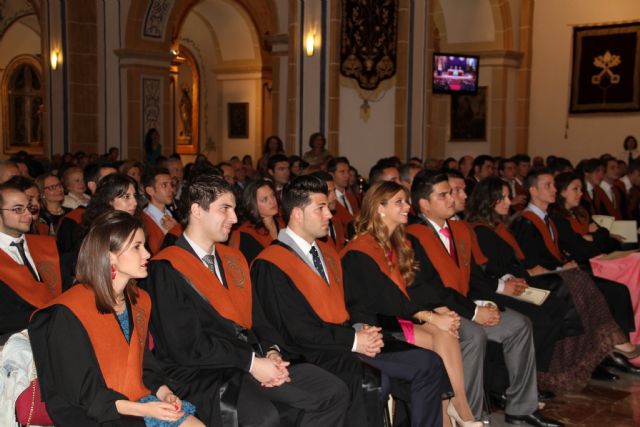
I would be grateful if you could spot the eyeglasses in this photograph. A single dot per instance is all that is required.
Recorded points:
(18, 210)
(53, 187)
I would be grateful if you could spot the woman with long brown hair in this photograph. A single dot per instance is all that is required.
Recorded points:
(90, 343)
(378, 267)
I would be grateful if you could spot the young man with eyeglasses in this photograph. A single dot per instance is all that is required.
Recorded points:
(30, 273)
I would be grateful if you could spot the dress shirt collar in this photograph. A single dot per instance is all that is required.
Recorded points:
(536, 210)
(605, 186)
(302, 244)
(627, 182)
(590, 189)
(155, 213)
(434, 225)
(201, 253)
(6, 240)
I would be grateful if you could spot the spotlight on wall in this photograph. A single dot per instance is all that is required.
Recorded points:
(55, 59)
(310, 44)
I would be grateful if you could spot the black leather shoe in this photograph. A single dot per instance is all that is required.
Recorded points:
(603, 374)
(536, 419)
(545, 395)
(498, 399)
(618, 361)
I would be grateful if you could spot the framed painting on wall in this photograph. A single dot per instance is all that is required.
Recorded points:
(238, 120)
(469, 116)
(606, 68)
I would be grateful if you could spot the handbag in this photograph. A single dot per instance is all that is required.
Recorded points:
(30, 409)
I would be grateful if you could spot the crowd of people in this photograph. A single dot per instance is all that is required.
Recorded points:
(295, 291)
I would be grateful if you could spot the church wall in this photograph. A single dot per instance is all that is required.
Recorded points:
(551, 130)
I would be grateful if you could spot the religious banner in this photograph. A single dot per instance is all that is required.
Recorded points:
(606, 68)
(369, 41)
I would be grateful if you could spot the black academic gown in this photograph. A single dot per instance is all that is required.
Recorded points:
(71, 383)
(547, 319)
(249, 247)
(577, 247)
(203, 353)
(536, 253)
(14, 312)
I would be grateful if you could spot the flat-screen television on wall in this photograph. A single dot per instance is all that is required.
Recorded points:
(455, 73)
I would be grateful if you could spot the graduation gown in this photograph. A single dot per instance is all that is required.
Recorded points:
(70, 231)
(203, 352)
(71, 379)
(250, 240)
(575, 246)
(547, 319)
(20, 293)
(156, 236)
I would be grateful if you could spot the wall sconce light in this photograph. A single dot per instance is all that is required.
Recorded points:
(55, 59)
(310, 44)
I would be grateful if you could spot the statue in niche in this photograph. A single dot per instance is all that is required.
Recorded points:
(186, 112)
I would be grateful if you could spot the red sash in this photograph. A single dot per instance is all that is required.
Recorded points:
(602, 203)
(261, 235)
(155, 234)
(120, 362)
(76, 215)
(233, 303)
(552, 246)
(42, 229)
(580, 227)
(366, 244)
(505, 234)
(342, 215)
(455, 276)
(44, 252)
(327, 301)
(338, 243)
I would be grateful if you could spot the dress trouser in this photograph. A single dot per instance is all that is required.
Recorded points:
(619, 302)
(323, 397)
(425, 372)
(515, 334)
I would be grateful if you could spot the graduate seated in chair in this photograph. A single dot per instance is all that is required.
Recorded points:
(161, 225)
(210, 333)
(90, 343)
(299, 281)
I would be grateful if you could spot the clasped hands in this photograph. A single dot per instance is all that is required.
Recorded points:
(369, 340)
(270, 371)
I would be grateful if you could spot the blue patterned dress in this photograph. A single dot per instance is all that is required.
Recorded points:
(187, 407)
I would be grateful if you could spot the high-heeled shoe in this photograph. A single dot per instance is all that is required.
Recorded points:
(628, 354)
(457, 421)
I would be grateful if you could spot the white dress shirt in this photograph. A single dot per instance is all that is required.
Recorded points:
(590, 190)
(344, 201)
(627, 183)
(608, 190)
(12, 251)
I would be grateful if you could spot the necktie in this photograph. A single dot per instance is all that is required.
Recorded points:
(23, 256)
(548, 222)
(446, 232)
(211, 262)
(332, 232)
(317, 263)
(346, 204)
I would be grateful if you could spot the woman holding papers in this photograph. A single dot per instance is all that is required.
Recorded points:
(588, 332)
(584, 241)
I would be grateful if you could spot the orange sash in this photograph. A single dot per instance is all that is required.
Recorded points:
(44, 252)
(455, 276)
(155, 234)
(327, 301)
(233, 303)
(76, 215)
(342, 215)
(505, 234)
(120, 362)
(338, 243)
(578, 226)
(42, 229)
(261, 235)
(546, 234)
(366, 244)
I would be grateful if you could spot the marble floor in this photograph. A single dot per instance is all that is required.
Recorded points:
(601, 404)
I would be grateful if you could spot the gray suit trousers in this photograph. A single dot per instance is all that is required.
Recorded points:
(514, 333)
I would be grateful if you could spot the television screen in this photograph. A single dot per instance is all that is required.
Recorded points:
(455, 73)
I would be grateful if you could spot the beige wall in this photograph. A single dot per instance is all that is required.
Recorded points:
(586, 134)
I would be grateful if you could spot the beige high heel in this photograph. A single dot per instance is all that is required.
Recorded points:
(457, 421)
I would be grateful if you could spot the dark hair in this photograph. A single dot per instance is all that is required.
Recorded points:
(521, 158)
(112, 232)
(204, 167)
(148, 139)
(633, 166)
(532, 178)
(423, 183)
(448, 160)
(559, 165)
(480, 160)
(562, 181)
(149, 178)
(91, 172)
(202, 189)
(453, 173)
(627, 139)
(298, 193)
(303, 164)
(20, 182)
(276, 158)
(502, 163)
(333, 163)
(280, 148)
(109, 188)
(316, 135)
(249, 202)
(323, 175)
(592, 164)
(405, 170)
(8, 186)
(481, 204)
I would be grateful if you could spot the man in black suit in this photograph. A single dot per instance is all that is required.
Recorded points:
(210, 334)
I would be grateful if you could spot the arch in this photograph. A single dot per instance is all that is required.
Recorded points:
(32, 101)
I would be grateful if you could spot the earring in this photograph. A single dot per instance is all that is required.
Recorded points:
(113, 272)
(382, 215)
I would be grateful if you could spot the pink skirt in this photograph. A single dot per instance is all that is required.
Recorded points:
(407, 330)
